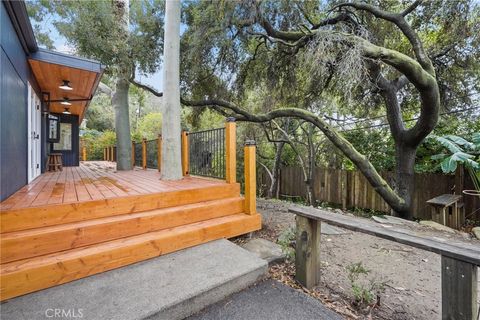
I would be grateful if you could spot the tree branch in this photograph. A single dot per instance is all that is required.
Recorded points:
(411, 7)
(362, 163)
(298, 35)
(146, 87)
(103, 88)
(401, 23)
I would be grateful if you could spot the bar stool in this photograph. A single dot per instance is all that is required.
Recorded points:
(55, 162)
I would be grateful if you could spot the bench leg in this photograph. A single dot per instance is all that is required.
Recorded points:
(459, 290)
(307, 252)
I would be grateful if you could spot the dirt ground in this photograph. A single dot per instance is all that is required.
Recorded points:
(411, 276)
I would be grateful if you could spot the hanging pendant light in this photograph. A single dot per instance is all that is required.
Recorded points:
(66, 85)
(66, 111)
(66, 102)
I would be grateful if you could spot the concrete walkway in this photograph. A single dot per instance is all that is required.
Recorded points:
(267, 300)
(170, 287)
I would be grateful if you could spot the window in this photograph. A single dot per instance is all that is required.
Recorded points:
(65, 142)
(53, 128)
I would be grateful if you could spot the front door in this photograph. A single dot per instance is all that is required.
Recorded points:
(34, 134)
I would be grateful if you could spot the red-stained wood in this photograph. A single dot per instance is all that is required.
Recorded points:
(40, 241)
(83, 220)
(94, 190)
(33, 274)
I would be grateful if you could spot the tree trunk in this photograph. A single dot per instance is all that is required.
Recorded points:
(404, 183)
(171, 126)
(273, 190)
(122, 124)
(311, 183)
(120, 96)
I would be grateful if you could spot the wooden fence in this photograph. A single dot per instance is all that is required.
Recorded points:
(350, 189)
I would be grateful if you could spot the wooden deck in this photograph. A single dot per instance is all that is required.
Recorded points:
(89, 219)
(96, 180)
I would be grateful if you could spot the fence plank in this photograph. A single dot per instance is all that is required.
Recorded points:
(351, 189)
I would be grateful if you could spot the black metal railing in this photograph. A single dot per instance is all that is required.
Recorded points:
(152, 156)
(138, 154)
(207, 153)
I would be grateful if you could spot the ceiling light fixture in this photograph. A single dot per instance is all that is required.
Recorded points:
(66, 111)
(66, 85)
(66, 102)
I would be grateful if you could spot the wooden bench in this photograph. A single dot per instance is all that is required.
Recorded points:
(458, 267)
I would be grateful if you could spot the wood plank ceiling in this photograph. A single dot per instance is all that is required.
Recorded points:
(50, 76)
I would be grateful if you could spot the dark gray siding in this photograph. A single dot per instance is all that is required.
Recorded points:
(13, 110)
(70, 158)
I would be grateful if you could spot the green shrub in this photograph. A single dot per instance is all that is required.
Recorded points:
(365, 291)
(286, 240)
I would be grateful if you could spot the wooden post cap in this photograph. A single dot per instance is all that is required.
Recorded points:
(250, 143)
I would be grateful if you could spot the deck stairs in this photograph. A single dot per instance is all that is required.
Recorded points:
(46, 246)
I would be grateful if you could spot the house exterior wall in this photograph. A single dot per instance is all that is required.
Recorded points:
(15, 76)
(70, 158)
(13, 104)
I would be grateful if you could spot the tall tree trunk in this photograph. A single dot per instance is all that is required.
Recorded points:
(120, 96)
(171, 126)
(122, 124)
(404, 184)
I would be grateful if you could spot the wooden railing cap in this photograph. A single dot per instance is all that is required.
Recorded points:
(462, 252)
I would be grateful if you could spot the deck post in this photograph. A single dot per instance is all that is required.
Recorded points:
(112, 156)
(185, 153)
(307, 251)
(459, 289)
(84, 153)
(104, 154)
(159, 152)
(250, 178)
(144, 153)
(133, 154)
(231, 152)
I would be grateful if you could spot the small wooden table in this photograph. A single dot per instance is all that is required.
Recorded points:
(55, 162)
(441, 204)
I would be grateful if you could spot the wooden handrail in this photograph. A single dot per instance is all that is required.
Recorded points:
(231, 152)
(250, 178)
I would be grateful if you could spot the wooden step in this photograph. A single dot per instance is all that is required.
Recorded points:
(24, 244)
(29, 275)
(49, 215)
